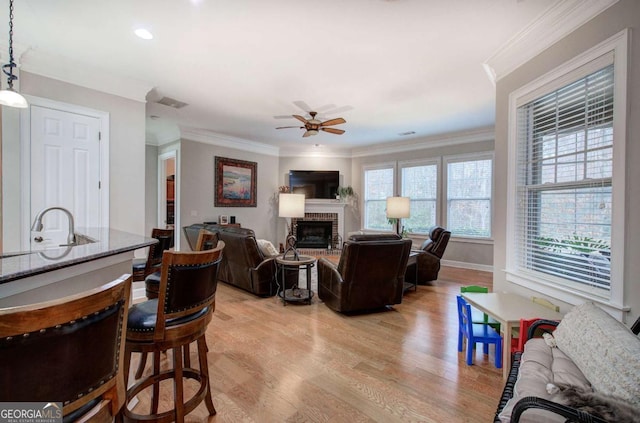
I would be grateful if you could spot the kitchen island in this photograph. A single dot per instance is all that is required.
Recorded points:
(102, 255)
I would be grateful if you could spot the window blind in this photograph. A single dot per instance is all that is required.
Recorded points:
(378, 185)
(564, 181)
(420, 184)
(469, 190)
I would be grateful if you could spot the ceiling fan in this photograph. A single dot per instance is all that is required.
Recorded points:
(314, 125)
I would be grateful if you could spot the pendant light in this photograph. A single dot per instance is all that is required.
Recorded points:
(10, 97)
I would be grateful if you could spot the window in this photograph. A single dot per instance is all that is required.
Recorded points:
(566, 197)
(469, 188)
(378, 185)
(564, 181)
(420, 183)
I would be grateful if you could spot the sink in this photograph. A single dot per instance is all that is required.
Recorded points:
(81, 239)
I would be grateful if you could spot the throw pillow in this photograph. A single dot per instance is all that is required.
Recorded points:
(267, 247)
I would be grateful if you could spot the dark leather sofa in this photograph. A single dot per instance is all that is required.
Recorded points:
(432, 251)
(243, 263)
(369, 275)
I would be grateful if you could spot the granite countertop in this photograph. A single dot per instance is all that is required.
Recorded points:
(108, 242)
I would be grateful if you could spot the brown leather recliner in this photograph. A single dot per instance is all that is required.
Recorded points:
(243, 263)
(370, 274)
(433, 250)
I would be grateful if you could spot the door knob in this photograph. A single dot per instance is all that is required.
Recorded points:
(38, 239)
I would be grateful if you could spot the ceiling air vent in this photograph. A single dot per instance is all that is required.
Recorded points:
(172, 102)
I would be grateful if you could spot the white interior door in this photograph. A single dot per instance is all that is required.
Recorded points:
(65, 172)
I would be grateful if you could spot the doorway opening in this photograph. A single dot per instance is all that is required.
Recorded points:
(167, 192)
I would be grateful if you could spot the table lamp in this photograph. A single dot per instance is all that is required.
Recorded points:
(290, 206)
(398, 208)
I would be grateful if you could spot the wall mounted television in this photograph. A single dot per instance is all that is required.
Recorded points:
(314, 183)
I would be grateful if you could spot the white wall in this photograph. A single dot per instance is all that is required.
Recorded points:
(196, 181)
(624, 14)
(127, 145)
(151, 188)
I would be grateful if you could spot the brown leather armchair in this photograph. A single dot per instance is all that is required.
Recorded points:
(370, 273)
(433, 249)
(243, 264)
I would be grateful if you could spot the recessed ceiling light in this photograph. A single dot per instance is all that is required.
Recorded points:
(144, 34)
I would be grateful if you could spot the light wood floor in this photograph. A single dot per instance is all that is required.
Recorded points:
(306, 363)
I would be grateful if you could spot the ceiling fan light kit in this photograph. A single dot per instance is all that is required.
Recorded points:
(313, 125)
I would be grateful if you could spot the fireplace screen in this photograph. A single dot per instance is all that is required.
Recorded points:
(313, 234)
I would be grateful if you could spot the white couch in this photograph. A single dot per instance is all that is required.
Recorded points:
(590, 349)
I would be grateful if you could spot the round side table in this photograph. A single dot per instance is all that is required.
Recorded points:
(295, 294)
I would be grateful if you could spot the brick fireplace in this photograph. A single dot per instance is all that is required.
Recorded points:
(316, 230)
(329, 211)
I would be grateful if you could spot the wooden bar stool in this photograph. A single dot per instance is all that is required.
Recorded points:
(206, 241)
(143, 267)
(178, 317)
(68, 350)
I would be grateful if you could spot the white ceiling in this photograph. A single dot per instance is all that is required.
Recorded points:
(396, 65)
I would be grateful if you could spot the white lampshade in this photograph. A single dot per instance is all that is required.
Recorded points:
(398, 207)
(291, 205)
(12, 99)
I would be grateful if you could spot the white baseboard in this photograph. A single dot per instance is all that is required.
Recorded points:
(139, 292)
(464, 265)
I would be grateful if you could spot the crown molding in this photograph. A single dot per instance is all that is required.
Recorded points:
(72, 72)
(555, 23)
(467, 137)
(158, 140)
(213, 138)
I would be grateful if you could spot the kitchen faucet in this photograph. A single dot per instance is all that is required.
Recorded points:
(37, 224)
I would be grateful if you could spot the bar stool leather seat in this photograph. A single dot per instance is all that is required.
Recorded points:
(144, 316)
(152, 285)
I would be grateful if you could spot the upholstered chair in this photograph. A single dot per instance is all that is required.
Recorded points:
(244, 264)
(369, 275)
(433, 249)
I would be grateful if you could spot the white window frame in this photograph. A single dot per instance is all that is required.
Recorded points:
(377, 166)
(469, 157)
(569, 72)
(426, 162)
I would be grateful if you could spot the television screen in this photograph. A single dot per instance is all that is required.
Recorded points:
(314, 183)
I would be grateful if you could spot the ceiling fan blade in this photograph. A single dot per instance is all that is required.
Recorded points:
(336, 121)
(333, 130)
(285, 127)
(307, 134)
(300, 118)
(304, 106)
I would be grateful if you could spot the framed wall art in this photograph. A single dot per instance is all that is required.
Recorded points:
(235, 182)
